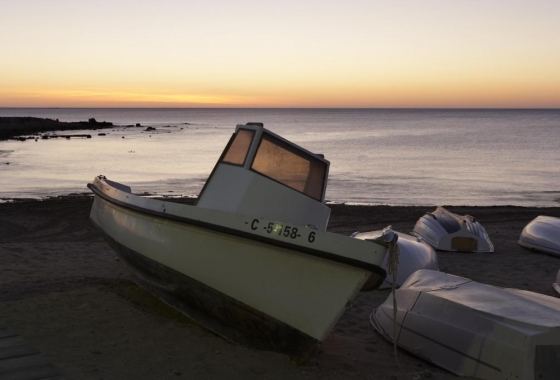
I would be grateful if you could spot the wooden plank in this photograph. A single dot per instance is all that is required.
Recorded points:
(32, 367)
(21, 361)
(6, 333)
(12, 341)
(464, 244)
(15, 346)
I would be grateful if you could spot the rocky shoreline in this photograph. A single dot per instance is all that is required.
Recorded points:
(24, 128)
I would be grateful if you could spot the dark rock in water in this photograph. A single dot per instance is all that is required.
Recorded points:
(21, 139)
(101, 134)
(138, 125)
(68, 137)
(7, 163)
(123, 137)
(150, 129)
(98, 124)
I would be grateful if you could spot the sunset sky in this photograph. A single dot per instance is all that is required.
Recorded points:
(290, 53)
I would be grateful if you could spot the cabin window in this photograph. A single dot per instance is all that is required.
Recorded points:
(291, 167)
(239, 147)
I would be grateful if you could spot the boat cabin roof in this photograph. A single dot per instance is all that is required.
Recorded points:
(261, 151)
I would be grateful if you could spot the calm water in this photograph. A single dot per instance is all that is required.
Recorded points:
(403, 157)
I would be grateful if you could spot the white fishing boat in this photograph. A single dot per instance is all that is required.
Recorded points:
(472, 329)
(446, 231)
(414, 254)
(542, 234)
(252, 260)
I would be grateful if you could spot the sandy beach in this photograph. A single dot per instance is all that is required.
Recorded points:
(63, 291)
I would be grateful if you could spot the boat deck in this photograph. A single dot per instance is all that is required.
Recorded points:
(21, 361)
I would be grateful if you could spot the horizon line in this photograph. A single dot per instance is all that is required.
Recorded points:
(302, 108)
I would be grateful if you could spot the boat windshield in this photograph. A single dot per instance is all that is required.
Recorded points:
(239, 147)
(292, 167)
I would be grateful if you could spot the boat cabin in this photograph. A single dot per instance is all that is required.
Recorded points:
(264, 175)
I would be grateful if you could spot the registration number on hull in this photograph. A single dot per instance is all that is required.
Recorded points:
(283, 230)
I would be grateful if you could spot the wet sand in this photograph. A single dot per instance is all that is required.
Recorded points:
(63, 291)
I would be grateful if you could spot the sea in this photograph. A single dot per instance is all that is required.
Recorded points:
(427, 157)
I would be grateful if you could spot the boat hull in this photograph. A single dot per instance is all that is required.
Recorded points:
(542, 234)
(244, 288)
(214, 310)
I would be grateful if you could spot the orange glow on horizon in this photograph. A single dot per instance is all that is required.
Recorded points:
(400, 95)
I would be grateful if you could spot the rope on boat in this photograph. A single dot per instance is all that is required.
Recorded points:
(392, 267)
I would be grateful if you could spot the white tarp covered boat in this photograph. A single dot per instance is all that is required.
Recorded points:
(542, 234)
(447, 231)
(252, 261)
(556, 285)
(472, 329)
(414, 254)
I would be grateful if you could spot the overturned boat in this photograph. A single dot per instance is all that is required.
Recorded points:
(472, 329)
(252, 260)
(542, 234)
(414, 254)
(446, 231)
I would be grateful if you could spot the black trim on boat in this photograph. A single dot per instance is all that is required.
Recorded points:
(376, 270)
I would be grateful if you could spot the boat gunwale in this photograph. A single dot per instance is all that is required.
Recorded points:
(231, 231)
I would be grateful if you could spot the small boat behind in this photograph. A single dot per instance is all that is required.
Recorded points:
(446, 231)
(252, 260)
(556, 285)
(414, 254)
(472, 329)
(542, 234)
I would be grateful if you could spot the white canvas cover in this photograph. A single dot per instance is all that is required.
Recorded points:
(473, 329)
(447, 231)
(556, 285)
(414, 255)
(542, 234)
